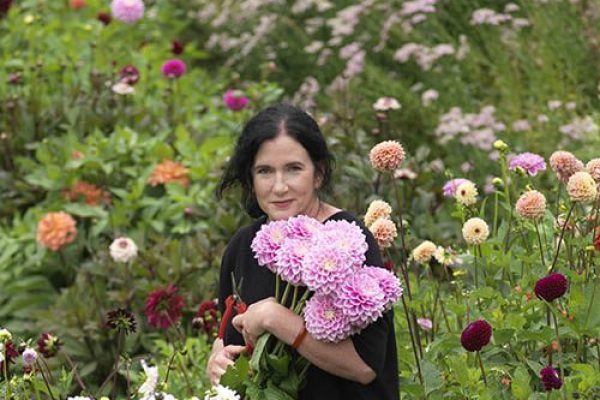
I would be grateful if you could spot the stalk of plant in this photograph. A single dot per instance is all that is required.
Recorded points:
(504, 171)
(45, 378)
(5, 372)
(413, 340)
(74, 369)
(560, 238)
(478, 355)
(560, 356)
(537, 231)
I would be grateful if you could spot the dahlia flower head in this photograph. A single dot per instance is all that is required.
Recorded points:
(425, 323)
(423, 252)
(466, 193)
(475, 231)
(123, 250)
(531, 205)
(597, 243)
(582, 187)
(384, 231)
(387, 156)
(29, 356)
(593, 168)
(55, 230)
(386, 104)
(565, 164)
(325, 320)
(530, 162)
(220, 392)
(551, 287)
(235, 100)
(550, 378)
(164, 307)
(450, 187)
(173, 69)
(169, 171)
(377, 209)
(476, 335)
(128, 11)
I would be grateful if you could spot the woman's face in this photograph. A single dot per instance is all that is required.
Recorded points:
(284, 179)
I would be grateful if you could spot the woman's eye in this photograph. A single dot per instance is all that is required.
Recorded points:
(262, 171)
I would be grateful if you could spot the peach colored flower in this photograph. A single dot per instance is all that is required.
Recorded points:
(77, 155)
(593, 168)
(466, 193)
(475, 231)
(169, 171)
(423, 252)
(92, 194)
(55, 230)
(377, 209)
(531, 205)
(387, 156)
(582, 188)
(384, 231)
(565, 164)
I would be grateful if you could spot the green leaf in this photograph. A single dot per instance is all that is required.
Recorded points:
(279, 364)
(432, 376)
(272, 392)
(83, 210)
(521, 384)
(236, 374)
(259, 350)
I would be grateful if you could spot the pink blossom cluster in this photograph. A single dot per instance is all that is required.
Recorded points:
(486, 16)
(329, 259)
(424, 56)
(579, 128)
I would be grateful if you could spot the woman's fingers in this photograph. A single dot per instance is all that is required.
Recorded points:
(238, 322)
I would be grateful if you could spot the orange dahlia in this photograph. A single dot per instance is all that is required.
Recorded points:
(384, 231)
(169, 171)
(91, 194)
(55, 230)
(387, 156)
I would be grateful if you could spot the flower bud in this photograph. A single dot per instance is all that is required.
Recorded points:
(500, 145)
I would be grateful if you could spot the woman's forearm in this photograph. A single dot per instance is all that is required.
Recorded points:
(339, 359)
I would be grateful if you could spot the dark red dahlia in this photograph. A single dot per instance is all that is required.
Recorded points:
(550, 378)
(176, 47)
(476, 335)
(48, 344)
(130, 75)
(121, 320)
(206, 318)
(551, 287)
(597, 243)
(10, 353)
(4, 6)
(104, 17)
(164, 307)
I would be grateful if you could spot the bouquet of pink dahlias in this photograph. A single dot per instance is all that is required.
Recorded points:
(338, 295)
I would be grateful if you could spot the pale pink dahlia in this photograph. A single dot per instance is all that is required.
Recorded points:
(267, 242)
(325, 268)
(361, 299)
(582, 188)
(531, 205)
(530, 162)
(388, 282)
(387, 156)
(128, 11)
(565, 164)
(289, 260)
(593, 168)
(347, 236)
(302, 227)
(450, 187)
(326, 321)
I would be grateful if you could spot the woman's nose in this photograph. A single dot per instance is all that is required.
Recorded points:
(280, 186)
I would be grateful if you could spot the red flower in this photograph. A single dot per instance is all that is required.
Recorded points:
(597, 243)
(206, 317)
(104, 17)
(4, 6)
(176, 47)
(163, 307)
(48, 344)
(551, 287)
(9, 353)
(550, 378)
(476, 335)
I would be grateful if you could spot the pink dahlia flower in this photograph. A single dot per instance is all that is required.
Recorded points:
(164, 307)
(388, 282)
(565, 164)
(551, 287)
(325, 268)
(324, 320)
(347, 236)
(531, 163)
(425, 323)
(302, 227)
(550, 379)
(235, 100)
(267, 242)
(361, 299)
(289, 259)
(128, 11)
(476, 335)
(451, 186)
(387, 156)
(173, 68)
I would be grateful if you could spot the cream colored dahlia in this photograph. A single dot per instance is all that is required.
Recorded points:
(384, 231)
(387, 156)
(531, 205)
(475, 231)
(377, 209)
(55, 230)
(565, 164)
(423, 252)
(582, 188)
(466, 193)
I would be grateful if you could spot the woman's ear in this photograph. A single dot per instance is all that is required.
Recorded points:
(318, 177)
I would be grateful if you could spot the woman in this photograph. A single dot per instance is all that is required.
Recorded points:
(282, 163)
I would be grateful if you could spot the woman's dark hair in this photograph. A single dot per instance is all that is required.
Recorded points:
(266, 125)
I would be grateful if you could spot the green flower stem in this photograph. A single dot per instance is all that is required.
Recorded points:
(495, 224)
(169, 365)
(478, 356)
(35, 390)
(277, 287)
(294, 298)
(285, 294)
(401, 223)
(45, 378)
(74, 369)
(184, 370)
(592, 298)
(413, 341)
(560, 238)
(560, 357)
(5, 372)
(537, 231)
(301, 302)
(504, 171)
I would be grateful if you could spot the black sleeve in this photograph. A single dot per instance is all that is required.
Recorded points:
(227, 264)
(372, 342)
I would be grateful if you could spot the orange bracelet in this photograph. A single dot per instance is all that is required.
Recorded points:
(300, 338)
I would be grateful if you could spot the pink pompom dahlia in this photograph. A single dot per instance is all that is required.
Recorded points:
(302, 227)
(565, 164)
(530, 162)
(326, 321)
(551, 287)
(267, 242)
(173, 69)
(289, 260)
(388, 283)
(235, 100)
(128, 11)
(348, 237)
(387, 156)
(325, 268)
(361, 299)
(476, 335)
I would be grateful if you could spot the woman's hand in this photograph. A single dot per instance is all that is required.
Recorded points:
(251, 324)
(220, 358)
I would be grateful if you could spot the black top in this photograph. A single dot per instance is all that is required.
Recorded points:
(376, 344)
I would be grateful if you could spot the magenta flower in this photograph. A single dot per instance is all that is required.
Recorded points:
(476, 335)
(550, 378)
(235, 100)
(388, 283)
(164, 307)
(128, 11)
(130, 74)
(532, 163)
(348, 237)
(173, 68)
(324, 320)
(267, 242)
(302, 227)
(361, 299)
(551, 287)
(451, 186)
(289, 259)
(177, 47)
(325, 268)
